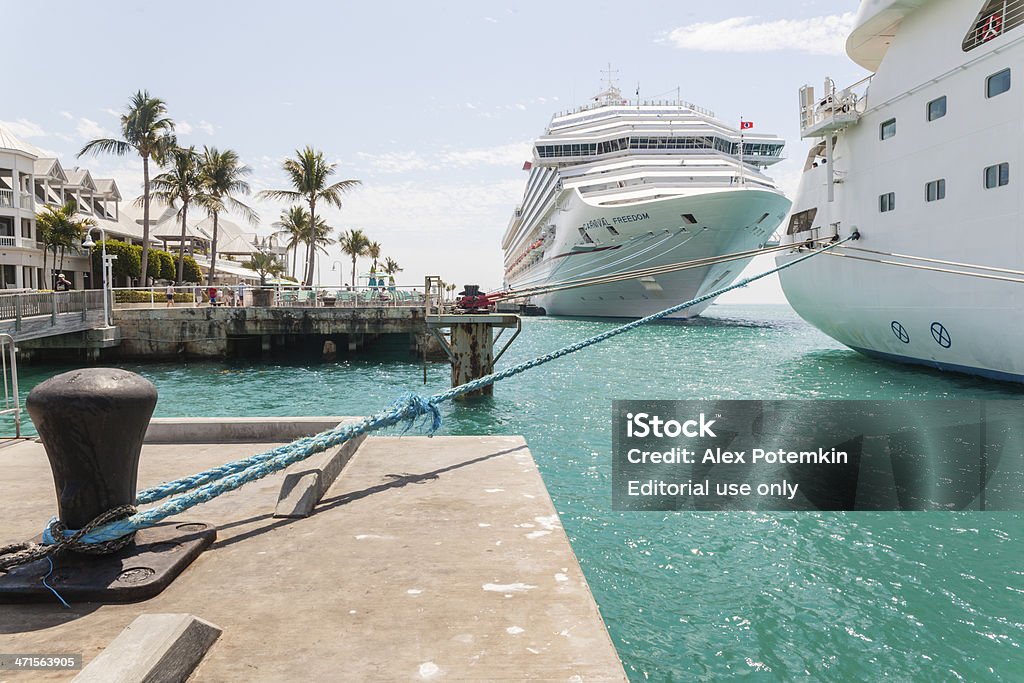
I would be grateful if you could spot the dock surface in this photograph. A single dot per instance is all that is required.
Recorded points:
(428, 559)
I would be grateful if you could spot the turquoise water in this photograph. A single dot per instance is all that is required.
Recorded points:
(703, 596)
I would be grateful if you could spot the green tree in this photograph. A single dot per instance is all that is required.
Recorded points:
(265, 264)
(192, 272)
(60, 228)
(145, 129)
(309, 175)
(319, 238)
(128, 262)
(161, 264)
(355, 244)
(293, 226)
(373, 251)
(391, 266)
(222, 176)
(180, 182)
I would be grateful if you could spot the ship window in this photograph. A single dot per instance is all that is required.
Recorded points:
(935, 190)
(612, 230)
(997, 176)
(801, 222)
(690, 218)
(887, 202)
(761, 219)
(998, 83)
(937, 108)
(586, 238)
(888, 129)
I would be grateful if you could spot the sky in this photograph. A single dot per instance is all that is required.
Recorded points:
(432, 106)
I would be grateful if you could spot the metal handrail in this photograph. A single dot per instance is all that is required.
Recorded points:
(29, 304)
(12, 402)
(381, 296)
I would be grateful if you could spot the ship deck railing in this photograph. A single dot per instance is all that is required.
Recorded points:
(834, 109)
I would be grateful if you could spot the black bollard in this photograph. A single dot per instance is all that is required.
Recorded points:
(92, 423)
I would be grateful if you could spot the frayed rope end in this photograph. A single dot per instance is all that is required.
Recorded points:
(422, 413)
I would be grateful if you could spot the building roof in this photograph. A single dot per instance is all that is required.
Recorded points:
(231, 239)
(107, 186)
(82, 178)
(120, 228)
(9, 141)
(158, 212)
(170, 227)
(48, 166)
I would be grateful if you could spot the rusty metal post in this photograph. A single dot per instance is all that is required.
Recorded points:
(472, 347)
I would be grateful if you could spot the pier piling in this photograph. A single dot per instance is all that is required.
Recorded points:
(470, 344)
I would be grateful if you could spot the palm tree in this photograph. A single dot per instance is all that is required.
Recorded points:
(146, 129)
(320, 237)
(265, 264)
(59, 228)
(293, 227)
(180, 182)
(355, 244)
(309, 175)
(373, 251)
(221, 176)
(391, 266)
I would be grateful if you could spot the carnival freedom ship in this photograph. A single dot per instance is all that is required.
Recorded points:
(923, 160)
(618, 186)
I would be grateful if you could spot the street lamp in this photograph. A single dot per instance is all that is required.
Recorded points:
(87, 243)
(334, 267)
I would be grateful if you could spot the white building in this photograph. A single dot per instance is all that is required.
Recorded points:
(29, 180)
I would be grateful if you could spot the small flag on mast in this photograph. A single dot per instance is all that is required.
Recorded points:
(527, 165)
(746, 125)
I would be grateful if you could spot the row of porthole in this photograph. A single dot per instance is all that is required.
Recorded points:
(939, 333)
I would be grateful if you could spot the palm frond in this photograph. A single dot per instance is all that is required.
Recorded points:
(105, 145)
(244, 210)
(285, 195)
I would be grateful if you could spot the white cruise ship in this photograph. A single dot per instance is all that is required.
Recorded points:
(924, 160)
(618, 186)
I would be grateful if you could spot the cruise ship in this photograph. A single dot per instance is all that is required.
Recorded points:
(618, 186)
(922, 159)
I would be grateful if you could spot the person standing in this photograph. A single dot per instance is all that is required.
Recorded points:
(170, 296)
(241, 294)
(197, 295)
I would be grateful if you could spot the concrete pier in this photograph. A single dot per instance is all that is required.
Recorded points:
(428, 559)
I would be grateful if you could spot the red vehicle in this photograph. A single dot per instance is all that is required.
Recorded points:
(472, 300)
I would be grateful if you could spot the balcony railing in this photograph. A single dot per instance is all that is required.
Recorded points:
(25, 200)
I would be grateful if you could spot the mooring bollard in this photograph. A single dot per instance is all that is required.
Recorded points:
(92, 423)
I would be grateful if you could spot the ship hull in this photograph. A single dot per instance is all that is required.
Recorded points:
(893, 314)
(649, 234)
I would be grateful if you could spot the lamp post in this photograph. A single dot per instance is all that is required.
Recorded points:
(334, 267)
(87, 243)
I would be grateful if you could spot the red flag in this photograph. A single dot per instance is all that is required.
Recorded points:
(746, 125)
(527, 165)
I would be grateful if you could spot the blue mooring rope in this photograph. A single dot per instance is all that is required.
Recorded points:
(410, 408)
